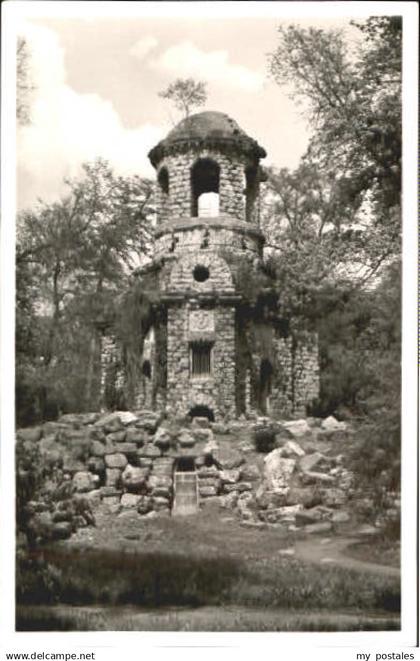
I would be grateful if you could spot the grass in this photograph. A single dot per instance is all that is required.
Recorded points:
(382, 551)
(65, 618)
(202, 573)
(155, 580)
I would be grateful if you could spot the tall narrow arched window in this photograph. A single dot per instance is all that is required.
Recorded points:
(163, 180)
(205, 178)
(251, 192)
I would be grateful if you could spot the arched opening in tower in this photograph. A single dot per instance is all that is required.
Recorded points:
(251, 192)
(146, 369)
(266, 376)
(201, 412)
(205, 179)
(163, 180)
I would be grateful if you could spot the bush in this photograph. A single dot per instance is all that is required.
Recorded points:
(264, 439)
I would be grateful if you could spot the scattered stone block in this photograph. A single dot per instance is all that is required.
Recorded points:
(127, 417)
(203, 435)
(227, 458)
(150, 451)
(116, 436)
(274, 498)
(230, 476)
(292, 449)
(84, 481)
(148, 420)
(144, 462)
(130, 500)
(116, 460)
(162, 438)
(330, 424)
(250, 473)
(297, 428)
(278, 470)
(307, 517)
(159, 481)
(96, 434)
(244, 486)
(134, 479)
(110, 422)
(205, 492)
(186, 439)
(309, 462)
(97, 449)
(130, 449)
(312, 477)
(112, 477)
(137, 436)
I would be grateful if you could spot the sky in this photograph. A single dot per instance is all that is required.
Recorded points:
(97, 82)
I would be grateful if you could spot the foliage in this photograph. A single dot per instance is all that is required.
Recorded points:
(185, 94)
(24, 86)
(334, 223)
(138, 310)
(264, 439)
(353, 103)
(73, 258)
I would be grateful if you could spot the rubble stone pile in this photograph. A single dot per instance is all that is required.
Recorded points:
(125, 461)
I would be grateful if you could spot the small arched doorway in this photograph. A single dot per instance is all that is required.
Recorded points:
(200, 411)
(266, 378)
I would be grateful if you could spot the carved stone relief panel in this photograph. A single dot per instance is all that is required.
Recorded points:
(201, 320)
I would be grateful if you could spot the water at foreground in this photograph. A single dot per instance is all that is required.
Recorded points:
(207, 618)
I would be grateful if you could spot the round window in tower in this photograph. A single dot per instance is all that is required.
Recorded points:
(201, 273)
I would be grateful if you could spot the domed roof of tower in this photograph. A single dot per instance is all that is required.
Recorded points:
(212, 128)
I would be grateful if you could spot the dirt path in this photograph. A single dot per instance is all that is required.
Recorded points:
(330, 550)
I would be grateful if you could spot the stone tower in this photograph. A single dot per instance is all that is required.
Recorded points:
(210, 350)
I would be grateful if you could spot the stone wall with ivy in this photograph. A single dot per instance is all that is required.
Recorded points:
(187, 325)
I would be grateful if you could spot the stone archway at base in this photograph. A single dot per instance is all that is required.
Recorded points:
(201, 411)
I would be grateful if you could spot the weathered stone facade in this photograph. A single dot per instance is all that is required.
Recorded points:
(204, 357)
